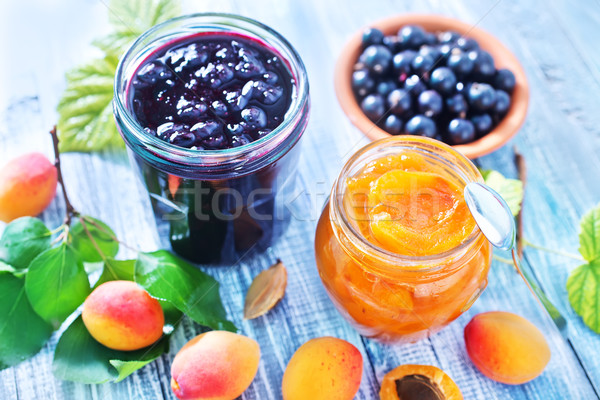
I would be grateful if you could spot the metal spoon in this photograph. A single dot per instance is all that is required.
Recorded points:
(494, 218)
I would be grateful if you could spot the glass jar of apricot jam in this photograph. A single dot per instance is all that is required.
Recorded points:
(212, 108)
(396, 246)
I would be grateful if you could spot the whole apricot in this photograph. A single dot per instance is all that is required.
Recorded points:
(325, 368)
(506, 347)
(27, 186)
(122, 316)
(412, 381)
(215, 365)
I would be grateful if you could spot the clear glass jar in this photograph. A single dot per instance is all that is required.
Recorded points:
(217, 205)
(388, 296)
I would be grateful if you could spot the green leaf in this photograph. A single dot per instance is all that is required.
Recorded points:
(131, 18)
(126, 368)
(22, 240)
(114, 43)
(589, 238)
(116, 270)
(85, 120)
(172, 316)
(19, 273)
(85, 113)
(22, 331)
(510, 189)
(4, 267)
(583, 287)
(102, 246)
(137, 16)
(193, 292)
(57, 284)
(80, 358)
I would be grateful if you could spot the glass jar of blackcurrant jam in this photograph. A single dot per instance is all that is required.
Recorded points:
(212, 108)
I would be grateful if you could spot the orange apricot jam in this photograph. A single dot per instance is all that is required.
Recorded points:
(396, 246)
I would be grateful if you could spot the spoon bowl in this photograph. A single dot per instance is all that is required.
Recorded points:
(492, 215)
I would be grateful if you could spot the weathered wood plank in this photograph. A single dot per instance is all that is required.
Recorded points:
(103, 185)
(560, 142)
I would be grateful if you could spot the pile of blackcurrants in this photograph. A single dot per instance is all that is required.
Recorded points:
(439, 85)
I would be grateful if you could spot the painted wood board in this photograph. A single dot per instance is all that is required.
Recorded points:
(560, 141)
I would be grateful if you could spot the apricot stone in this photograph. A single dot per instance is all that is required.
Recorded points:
(422, 382)
(325, 368)
(506, 347)
(27, 186)
(122, 316)
(215, 365)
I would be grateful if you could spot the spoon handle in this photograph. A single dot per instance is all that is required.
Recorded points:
(557, 318)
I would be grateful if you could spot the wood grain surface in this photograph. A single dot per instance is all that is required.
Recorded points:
(556, 41)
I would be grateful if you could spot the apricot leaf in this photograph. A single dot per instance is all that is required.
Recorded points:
(583, 287)
(511, 190)
(172, 316)
(80, 358)
(266, 290)
(56, 284)
(131, 18)
(85, 109)
(22, 331)
(85, 121)
(126, 368)
(4, 267)
(589, 238)
(168, 277)
(22, 240)
(116, 270)
(93, 239)
(583, 284)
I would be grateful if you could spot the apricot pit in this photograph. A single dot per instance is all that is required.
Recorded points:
(418, 382)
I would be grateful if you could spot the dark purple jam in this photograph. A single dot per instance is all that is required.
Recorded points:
(211, 91)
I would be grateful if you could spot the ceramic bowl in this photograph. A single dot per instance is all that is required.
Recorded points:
(503, 58)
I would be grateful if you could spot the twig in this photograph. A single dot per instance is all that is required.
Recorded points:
(527, 243)
(70, 210)
(522, 170)
(502, 259)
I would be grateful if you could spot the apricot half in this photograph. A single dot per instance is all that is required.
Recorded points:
(506, 347)
(27, 186)
(325, 368)
(122, 316)
(418, 382)
(216, 365)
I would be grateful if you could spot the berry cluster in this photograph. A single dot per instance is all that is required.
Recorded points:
(440, 85)
(211, 91)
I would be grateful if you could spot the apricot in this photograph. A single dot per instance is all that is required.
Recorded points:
(122, 316)
(506, 347)
(418, 382)
(216, 365)
(27, 186)
(325, 368)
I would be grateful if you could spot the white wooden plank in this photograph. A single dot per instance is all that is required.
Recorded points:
(318, 30)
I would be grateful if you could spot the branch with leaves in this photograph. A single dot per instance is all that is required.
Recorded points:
(44, 280)
(86, 120)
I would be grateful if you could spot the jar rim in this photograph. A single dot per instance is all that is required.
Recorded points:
(172, 152)
(409, 263)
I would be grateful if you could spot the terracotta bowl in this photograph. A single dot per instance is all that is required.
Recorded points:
(503, 58)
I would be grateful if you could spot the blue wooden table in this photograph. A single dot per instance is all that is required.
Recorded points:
(556, 41)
